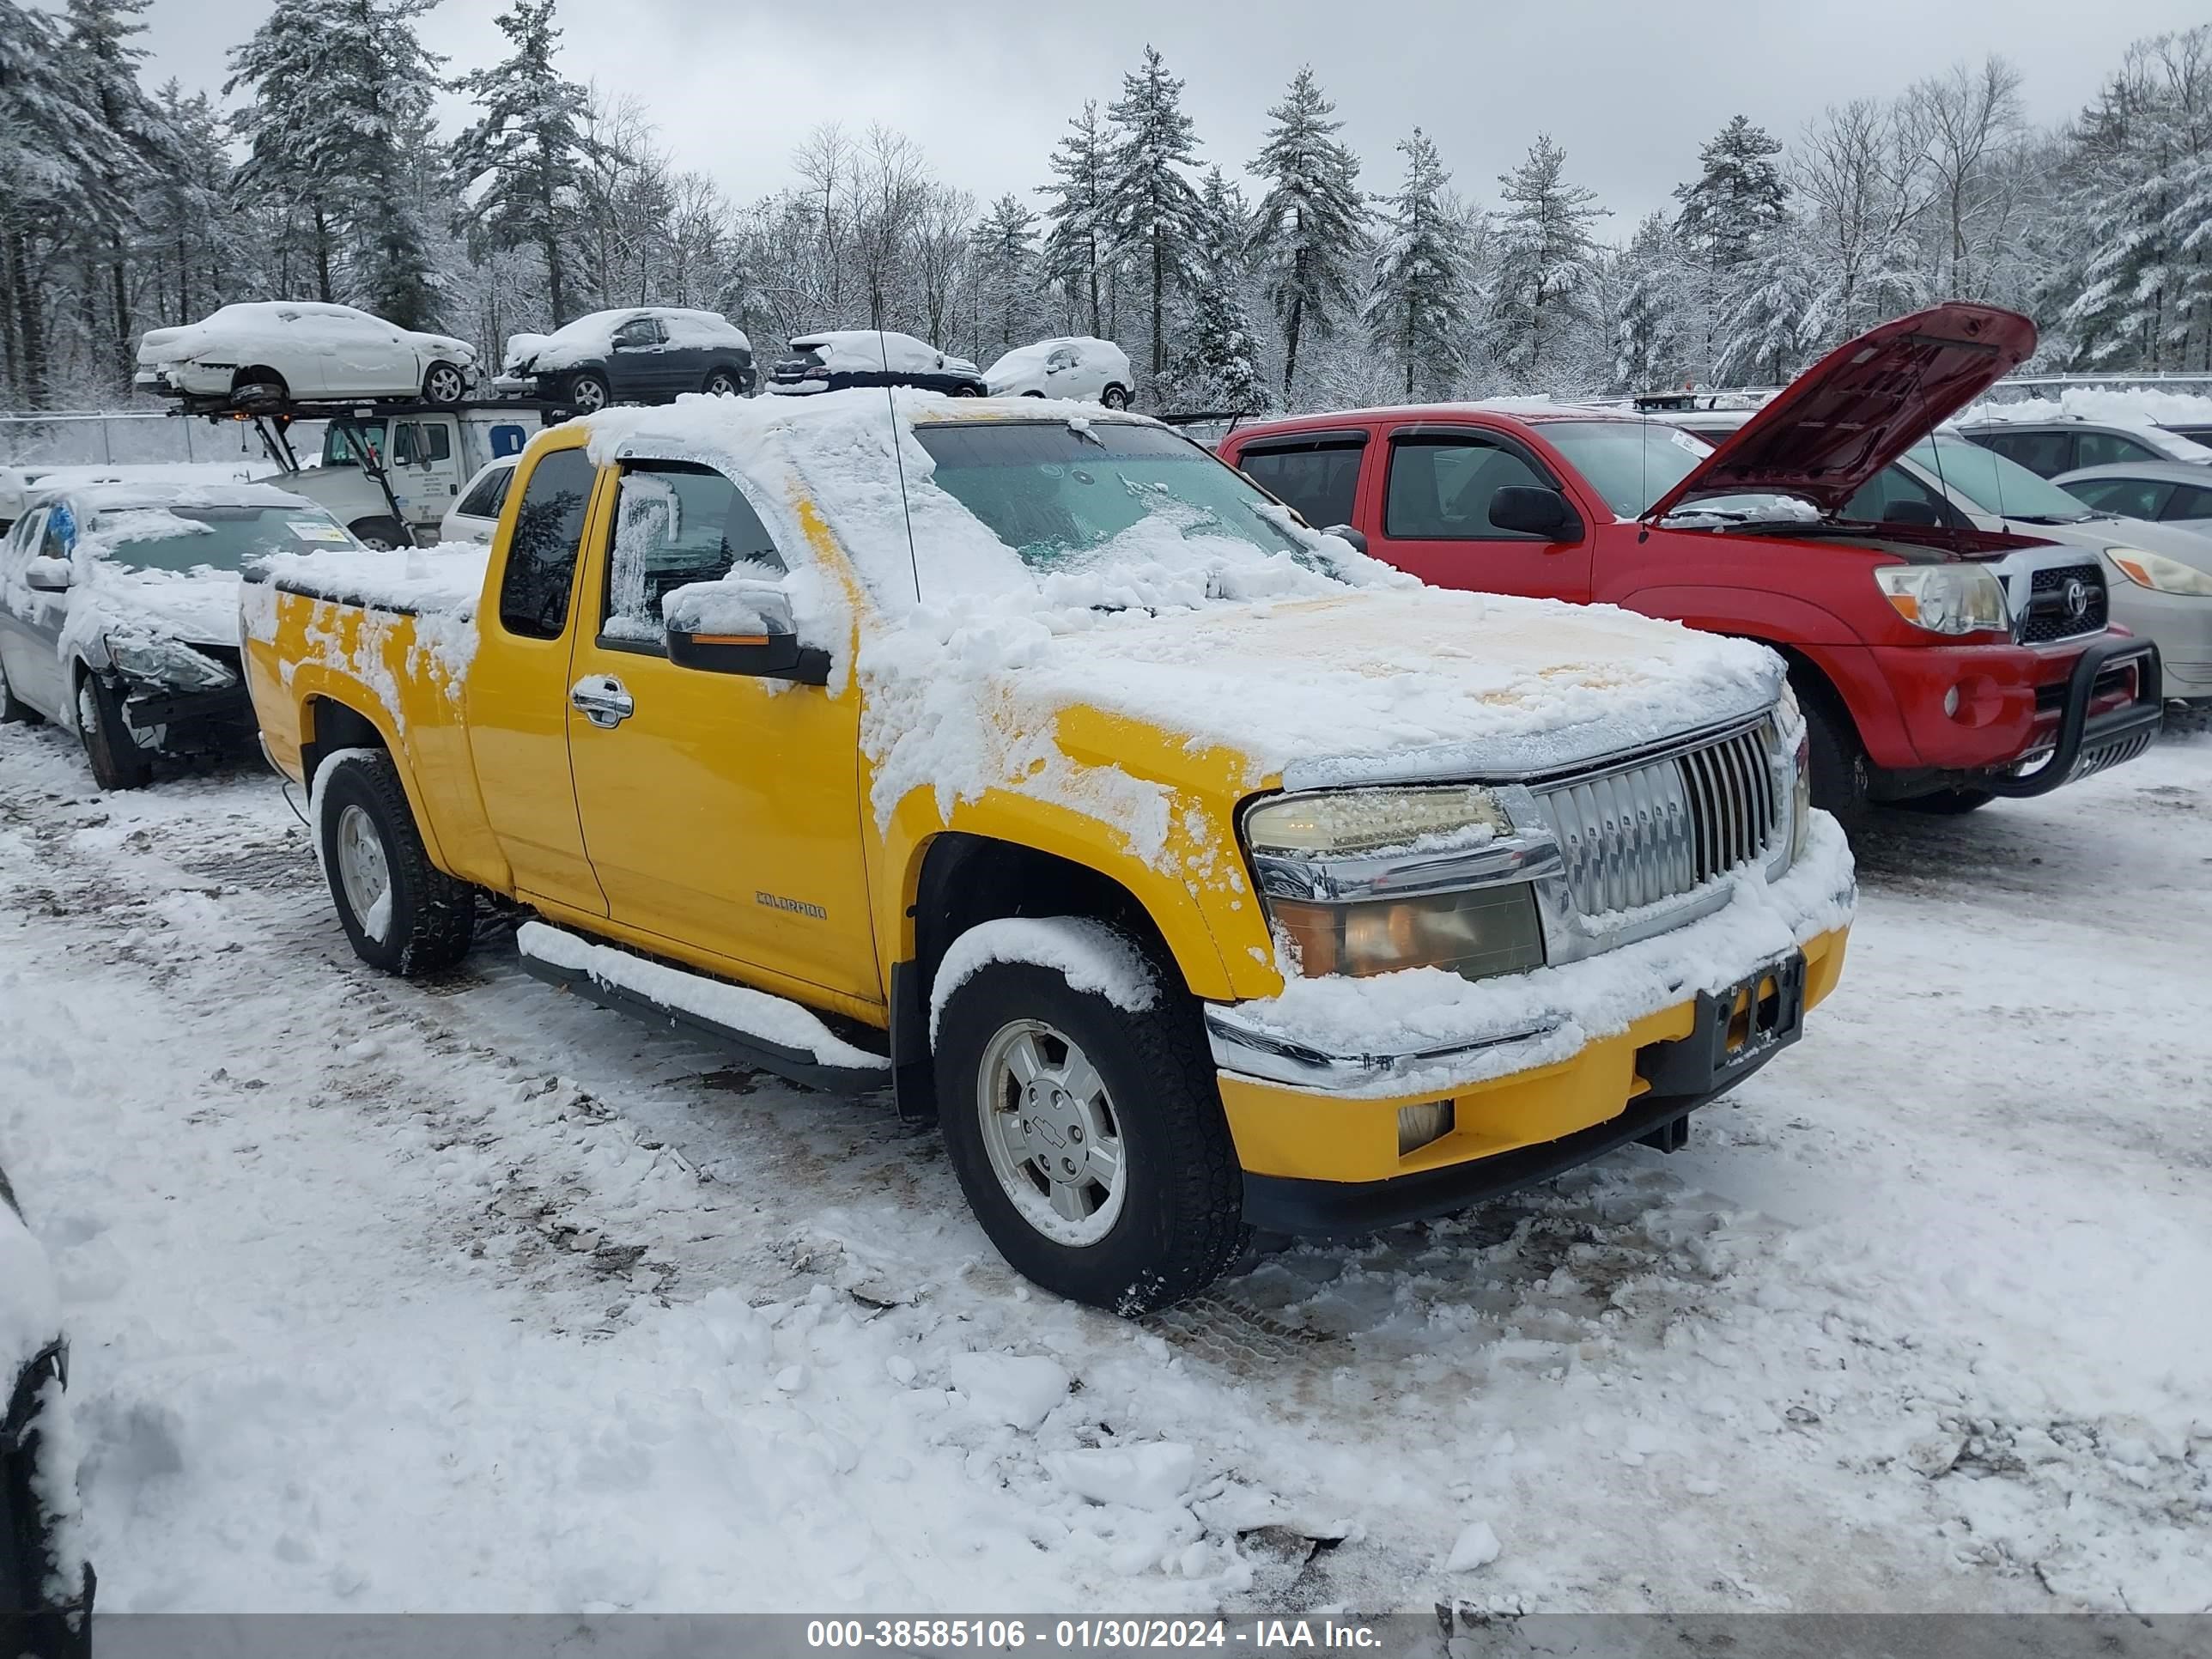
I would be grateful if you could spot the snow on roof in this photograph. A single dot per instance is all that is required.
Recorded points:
(590, 337)
(292, 326)
(105, 495)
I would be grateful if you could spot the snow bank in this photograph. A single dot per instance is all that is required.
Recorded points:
(1568, 1006)
(590, 338)
(1089, 955)
(30, 1310)
(756, 1013)
(1153, 1474)
(1018, 1391)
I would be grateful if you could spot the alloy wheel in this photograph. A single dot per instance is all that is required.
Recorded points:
(1052, 1136)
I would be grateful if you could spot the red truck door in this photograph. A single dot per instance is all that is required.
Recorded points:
(1425, 502)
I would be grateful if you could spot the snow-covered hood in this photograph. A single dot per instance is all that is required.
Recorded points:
(197, 609)
(1837, 424)
(1407, 682)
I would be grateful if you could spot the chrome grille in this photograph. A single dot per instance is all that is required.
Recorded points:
(2048, 613)
(1653, 831)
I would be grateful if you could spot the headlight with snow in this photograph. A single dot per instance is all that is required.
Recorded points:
(2157, 572)
(169, 662)
(1946, 598)
(1325, 861)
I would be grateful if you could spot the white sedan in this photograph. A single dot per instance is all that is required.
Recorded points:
(476, 515)
(1078, 366)
(266, 352)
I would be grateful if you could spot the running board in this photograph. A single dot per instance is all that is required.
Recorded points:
(770, 1032)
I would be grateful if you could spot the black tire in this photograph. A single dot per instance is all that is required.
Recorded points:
(430, 918)
(118, 762)
(1115, 396)
(1947, 802)
(444, 383)
(1839, 763)
(1181, 1223)
(258, 389)
(383, 534)
(724, 383)
(13, 710)
(1033, 394)
(588, 393)
(966, 390)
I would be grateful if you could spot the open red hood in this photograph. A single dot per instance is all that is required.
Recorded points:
(1862, 405)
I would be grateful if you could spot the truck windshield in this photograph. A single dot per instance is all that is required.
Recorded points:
(1058, 495)
(181, 539)
(1631, 463)
(341, 443)
(2001, 487)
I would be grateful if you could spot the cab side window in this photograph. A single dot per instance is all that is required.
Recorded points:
(675, 523)
(638, 331)
(1321, 480)
(541, 555)
(1440, 489)
(489, 495)
(2190, 501)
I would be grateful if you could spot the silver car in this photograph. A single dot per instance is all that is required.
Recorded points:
(2164, 492)
(2158, 575)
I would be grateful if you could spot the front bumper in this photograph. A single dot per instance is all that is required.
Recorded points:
(2180, 625)
(159, 716)
(1318, 1162)
(1543, 1069)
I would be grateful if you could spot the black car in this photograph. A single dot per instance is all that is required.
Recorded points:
(46, 1590)
(646, 355)
(842, 357)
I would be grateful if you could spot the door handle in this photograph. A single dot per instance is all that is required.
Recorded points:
(603, 701)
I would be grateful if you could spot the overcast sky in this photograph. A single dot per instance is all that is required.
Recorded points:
(1630, 88)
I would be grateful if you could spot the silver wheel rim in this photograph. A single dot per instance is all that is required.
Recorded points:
(1053, 1135)
(363, 873)
(1115, 398)
(445, 385)
(721, 386)
(588, 398)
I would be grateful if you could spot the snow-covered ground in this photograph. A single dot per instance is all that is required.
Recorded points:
(466, 1297)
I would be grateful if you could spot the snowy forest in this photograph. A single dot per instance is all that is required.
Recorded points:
(1304, 276)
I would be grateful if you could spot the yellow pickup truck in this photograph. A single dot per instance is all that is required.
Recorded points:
(1194, 872)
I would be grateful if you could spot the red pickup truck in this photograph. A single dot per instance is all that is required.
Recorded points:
(1938, 667)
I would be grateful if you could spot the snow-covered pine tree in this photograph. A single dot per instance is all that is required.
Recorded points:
(1216, 364)
(1767, 336)
(1080, 218)
(1154, 210)
(136, 147)
(1546, 259)
(1418, 301)
(1005, 273)
(58, 168)
(188, 227)
(1737, 201)
(1647, 330)
(1310, 230)
(340, 112)
(525, 149)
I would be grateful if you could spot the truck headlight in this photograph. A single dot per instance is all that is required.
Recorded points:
(169, 662)
(1946, 598)
(1473, 932)
(2156, 571)
(1359, 823)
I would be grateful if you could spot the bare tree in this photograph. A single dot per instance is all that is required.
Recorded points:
(1864, 173)
(1971, 123)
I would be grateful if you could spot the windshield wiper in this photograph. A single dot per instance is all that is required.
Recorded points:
(2052, 518)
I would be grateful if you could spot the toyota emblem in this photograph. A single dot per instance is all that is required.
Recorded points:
(2077, 599)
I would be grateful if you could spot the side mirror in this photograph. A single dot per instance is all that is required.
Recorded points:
(48, 575)
(1345, 532)
(1534, 511)
(740, 627)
